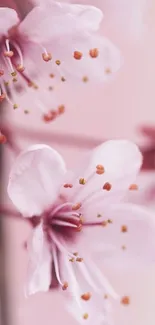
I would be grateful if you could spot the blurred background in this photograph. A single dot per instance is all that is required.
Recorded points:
(93, 113)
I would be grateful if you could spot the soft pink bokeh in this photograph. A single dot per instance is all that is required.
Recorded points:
(112, 110)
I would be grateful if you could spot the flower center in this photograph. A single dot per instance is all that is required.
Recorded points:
(64, 222)
(61, 226)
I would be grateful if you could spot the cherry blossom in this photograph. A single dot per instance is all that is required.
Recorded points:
(81, 214)
(53, 40)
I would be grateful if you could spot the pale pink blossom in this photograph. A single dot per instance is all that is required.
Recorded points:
(79, 215)
(54, 40)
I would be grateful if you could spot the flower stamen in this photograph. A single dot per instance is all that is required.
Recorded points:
(77, 55)
(85, 79)
(65, 286)
(71, 259)
(79, 259)
(86, 296)
(63, 223)
(133, 187)
(125, 300)
(3, 138)
(58, 62)
(62, 206)
(107, 186)
(56, 266)
(47, 56)
(1, 72)
(124, 228)
(14, 105)
(67, 185)
(60, 244)
(85, 316)
(61, 109)
(94, 53)
(20, 66)
(2, 96)
(108, 71)
(52, 75)
(8, 54)
(76, 206)
(100, 169)
(63, 79)
(50, 116)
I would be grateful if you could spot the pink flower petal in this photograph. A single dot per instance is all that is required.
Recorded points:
(35, 179)
(121, 160)
(107, 62)
(57, 19)
(94, 309)
(8, 18)
(130, 236)
(39, 270)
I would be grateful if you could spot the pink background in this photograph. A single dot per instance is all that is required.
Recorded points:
(104, 111)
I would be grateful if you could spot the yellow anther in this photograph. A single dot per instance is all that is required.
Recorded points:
(82, 181)
(94, 53)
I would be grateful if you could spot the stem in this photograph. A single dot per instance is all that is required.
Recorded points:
(9, 212)
(72, 141)
(90, 224)
(55, 137)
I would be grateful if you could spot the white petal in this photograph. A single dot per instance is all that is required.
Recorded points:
(95, 69)
(35, 179)
(8, 18)
(39, 269)
(121, 160)
(57, 19)
(134, 244)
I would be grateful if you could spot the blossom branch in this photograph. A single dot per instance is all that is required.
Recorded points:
(64, 139)
(73, 141)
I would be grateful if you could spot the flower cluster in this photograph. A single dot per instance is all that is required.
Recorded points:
(79, 219)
